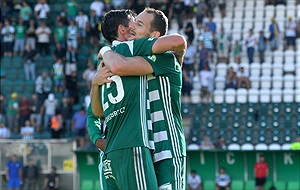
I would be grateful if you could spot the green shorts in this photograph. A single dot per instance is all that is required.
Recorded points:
(130, 168)
(170, 173)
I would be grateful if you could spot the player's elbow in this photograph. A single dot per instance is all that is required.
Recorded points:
(97, 112)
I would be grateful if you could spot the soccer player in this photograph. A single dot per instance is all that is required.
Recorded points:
(164, 92)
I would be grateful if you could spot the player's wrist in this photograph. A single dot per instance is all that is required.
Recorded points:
(104, 49)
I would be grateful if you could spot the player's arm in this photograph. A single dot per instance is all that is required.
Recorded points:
(125, 66)
(174, 42)
(93, 126)
(100, 78)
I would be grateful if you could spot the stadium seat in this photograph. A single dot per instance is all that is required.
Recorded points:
(195, 96)
(265, 82)
(297, 95)
(193, 147)
(220, 82)
(249, 185)
(289, 68)
(221, 69)
(237, 185)
(292, 185)
(255, 82)
(186, 109)
(247, 146)
(255, 69)
(241, 95)
(277, 82)
(297, 81)
(267, 69)
(234, 146)
(253, 95)
(289, 81)
(276, 121)
(280, 184)
(278, 69)
(274, 146)
(261, 146)
(218, 96)
(264, 96)
(288, 95)
(209, 184)
(286, 146)
(230, 96)
(276, 95)
(86, 185)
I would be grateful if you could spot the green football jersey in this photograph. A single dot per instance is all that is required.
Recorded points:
(165, 104)
(93, 125)
(124, 102)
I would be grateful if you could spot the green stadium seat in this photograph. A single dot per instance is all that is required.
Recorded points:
(11, 74)
(249, 185)
(250, 122)
(263, 121)
(249, 136)
(276, 121)
(275, 136)
(5, 62)
(86, 185)
(276, 108)
(209, 184)
(201, 109)
(263, 109)
(212, 109)
(16, 62)
(251, 109)
(223, 122)
(280, 185)
(210, 122)
(293, 185)
(235, 135)
(237, 121)
(197, 122)
(288, 121)
(187, 109)
(237, 185)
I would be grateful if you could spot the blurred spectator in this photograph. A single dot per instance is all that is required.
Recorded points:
(27, 130)
(290, 33)
(78, 125)
(59, 52)
(71, 7)
(7, 38)
(204, 55)
(296, 144)
(82, 21)
(30, 175)
(56, 125)
(30, 35)
(71, 87)
(49, 107)
(222, 7)
(262, 46)
(67, 114)
(93, 28)
(29, 56)
(87, 100)
(274, 34)
(223, 46)
(72, 35)
(231, 78)
(211, 5)
(220, 144)
(189, 29)
(2, 108)
(187, 85)
(261, 172)
(138, 6)
(24, 110)
(60, 34)
(206, 77)
(178, 13)
(4, 131)
(250, 44)
(166, 7)
(88, 74)
(13, 113)
(223, 180)
(211, 25)
(243, 78)
(201, 13)
(13, 173)
(43, 85)
(43, 38)
(52, 180)
(236, 50)
(6, 10)
(206, 144)
(98, 6)
(36, 112)
(19, 44)
(58, 76)
(25, 13)
(194, 181)
(207, 38)
(41, 10)
(189, 60)
(71, 59)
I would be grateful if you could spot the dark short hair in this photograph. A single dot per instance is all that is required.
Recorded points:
(160, 21)
(111, 22)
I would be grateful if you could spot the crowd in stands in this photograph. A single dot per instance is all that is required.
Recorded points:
(57, 34)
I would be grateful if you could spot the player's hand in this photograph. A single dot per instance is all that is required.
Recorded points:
(101, 143)
(102, 75)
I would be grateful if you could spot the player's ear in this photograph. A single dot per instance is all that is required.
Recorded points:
(155, 34)
(121, 29)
